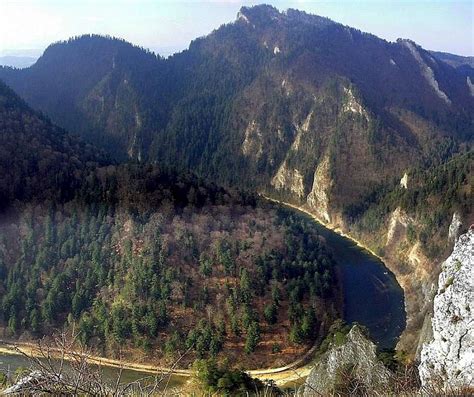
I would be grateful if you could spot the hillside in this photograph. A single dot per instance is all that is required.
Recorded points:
(454, 60)
(320, 97)
(147, 263)
(294, 105)
(38, 160)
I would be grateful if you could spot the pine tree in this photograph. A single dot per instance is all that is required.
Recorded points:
(253, 337)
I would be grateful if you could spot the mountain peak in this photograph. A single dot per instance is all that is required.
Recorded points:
(264, 14)
(258, 13)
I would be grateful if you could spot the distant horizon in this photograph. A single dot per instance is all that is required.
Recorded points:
(182, 22)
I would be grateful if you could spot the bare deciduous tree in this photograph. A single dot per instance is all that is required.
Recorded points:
(65, 367)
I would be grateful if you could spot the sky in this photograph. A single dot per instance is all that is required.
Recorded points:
(166, 26)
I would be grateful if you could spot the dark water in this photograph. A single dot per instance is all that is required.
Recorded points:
(372, 296)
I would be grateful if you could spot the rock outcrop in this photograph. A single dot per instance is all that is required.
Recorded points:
(448, 360)
(356, 359)
(318, 198)
(404, 181)
(455, 227)
(290, 179)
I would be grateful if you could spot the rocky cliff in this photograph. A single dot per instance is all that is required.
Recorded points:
(350, 362)
(448, 360)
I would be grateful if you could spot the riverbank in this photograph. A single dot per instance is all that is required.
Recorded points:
(373, 296)
(326, 225)
(293, 372)
(32, 350)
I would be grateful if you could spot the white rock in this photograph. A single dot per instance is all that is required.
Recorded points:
(242, 17)
(454, 227)
(357, 353)
(427, 71)
(253, 141)
(470, 85)
(276, 50)
(448, 360)
(398, 218)
(289, 179)
(301, 130)
(404, 181)
(352, 105)
(318, 198)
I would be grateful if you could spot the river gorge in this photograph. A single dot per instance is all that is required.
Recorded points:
(372, 297)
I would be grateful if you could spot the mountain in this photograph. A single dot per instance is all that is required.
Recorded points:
(135, 258)
(66, 83)
(17, 61)
(355, 129)
(38, 161)
(257, 83)
(453, 60)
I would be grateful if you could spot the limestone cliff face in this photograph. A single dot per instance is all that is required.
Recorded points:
(318, 198)
(455, 226)
(448, 360)
(358, 355)
(290, 179)
(414, 272)
(252, 144)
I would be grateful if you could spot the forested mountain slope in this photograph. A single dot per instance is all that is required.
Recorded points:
(353, 128)
(38, 161)
(148, 263)
(454, 60)
(275, 95)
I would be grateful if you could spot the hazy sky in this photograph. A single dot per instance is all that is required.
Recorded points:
(166, 25)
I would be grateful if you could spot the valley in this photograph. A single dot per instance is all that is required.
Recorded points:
(378, 308)
(280, 195)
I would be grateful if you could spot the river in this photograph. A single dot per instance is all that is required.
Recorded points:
(11, 362)
(372, 295)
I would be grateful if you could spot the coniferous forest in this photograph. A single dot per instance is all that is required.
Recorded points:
(141, 259)
(171, 211)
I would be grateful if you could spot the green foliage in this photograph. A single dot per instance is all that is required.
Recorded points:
(296, 335)
(388, 358)
(126, 253)
(103, 265)
(3, 379)
(253, 337)
(336, 335)
(270, 313)
(205, 265)
(435, 191)
(224, 381)
(276, 348)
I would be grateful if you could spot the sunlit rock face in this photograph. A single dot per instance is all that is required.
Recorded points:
(448, 360)
(357, 353)
(399, 219)
(404, 181)
(291, 179)
(456, 224)
(426, 71)
(318, 198)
